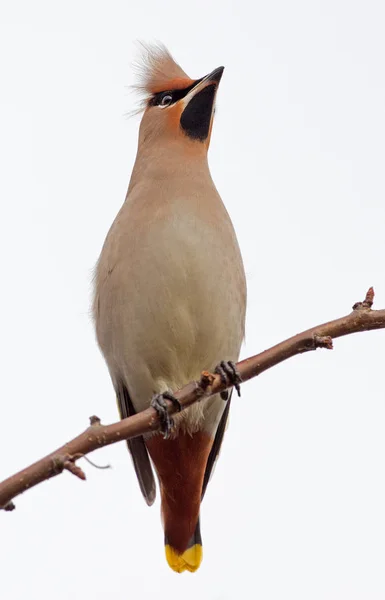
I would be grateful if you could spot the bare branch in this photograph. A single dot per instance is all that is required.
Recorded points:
(363, 318)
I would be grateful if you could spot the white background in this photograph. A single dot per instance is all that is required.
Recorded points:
(296, 507)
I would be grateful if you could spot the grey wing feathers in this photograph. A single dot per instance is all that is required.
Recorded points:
(214, 453)
(138, 449)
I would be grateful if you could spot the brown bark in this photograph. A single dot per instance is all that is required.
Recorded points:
(363, 318)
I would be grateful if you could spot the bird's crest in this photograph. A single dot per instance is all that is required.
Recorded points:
(157, 71)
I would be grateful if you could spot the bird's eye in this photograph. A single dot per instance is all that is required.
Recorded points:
(165, 100)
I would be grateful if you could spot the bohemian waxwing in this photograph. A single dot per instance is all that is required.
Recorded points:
(170, 296)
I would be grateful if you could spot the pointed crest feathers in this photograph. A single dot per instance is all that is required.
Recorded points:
(157, 71)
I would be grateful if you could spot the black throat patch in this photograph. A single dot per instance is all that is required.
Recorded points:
(196, 117)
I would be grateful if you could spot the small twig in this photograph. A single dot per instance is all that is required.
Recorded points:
(367, 303)
(59, 463)
(363, 318)
(94, 420)
(206, 381)
(74, 469)
(94, 464)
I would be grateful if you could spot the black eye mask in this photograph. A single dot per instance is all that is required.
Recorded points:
(175, 94)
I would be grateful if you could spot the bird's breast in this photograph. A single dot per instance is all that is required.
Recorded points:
(170, 289)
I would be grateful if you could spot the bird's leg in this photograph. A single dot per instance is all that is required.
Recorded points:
(159, 403)
(227, 371)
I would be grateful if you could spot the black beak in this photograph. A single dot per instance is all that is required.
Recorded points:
(216, 75)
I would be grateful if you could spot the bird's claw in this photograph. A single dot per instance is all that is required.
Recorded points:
(159, 403)
(227, 371)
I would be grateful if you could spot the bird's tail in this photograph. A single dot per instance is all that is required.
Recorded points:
(180, 463)
(191, 558)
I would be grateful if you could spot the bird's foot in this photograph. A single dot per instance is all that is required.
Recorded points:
(159, 403)
(228, 372)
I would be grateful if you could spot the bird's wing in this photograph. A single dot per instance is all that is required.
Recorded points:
(137, 449)
(214, 453)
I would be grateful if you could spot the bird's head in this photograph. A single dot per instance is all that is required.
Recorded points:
(177, 109)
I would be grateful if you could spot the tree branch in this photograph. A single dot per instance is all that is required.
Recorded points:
(363, 318)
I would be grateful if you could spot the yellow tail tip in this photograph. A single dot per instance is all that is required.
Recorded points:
(190, 560)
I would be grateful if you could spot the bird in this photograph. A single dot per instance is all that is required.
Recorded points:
(170, 296)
